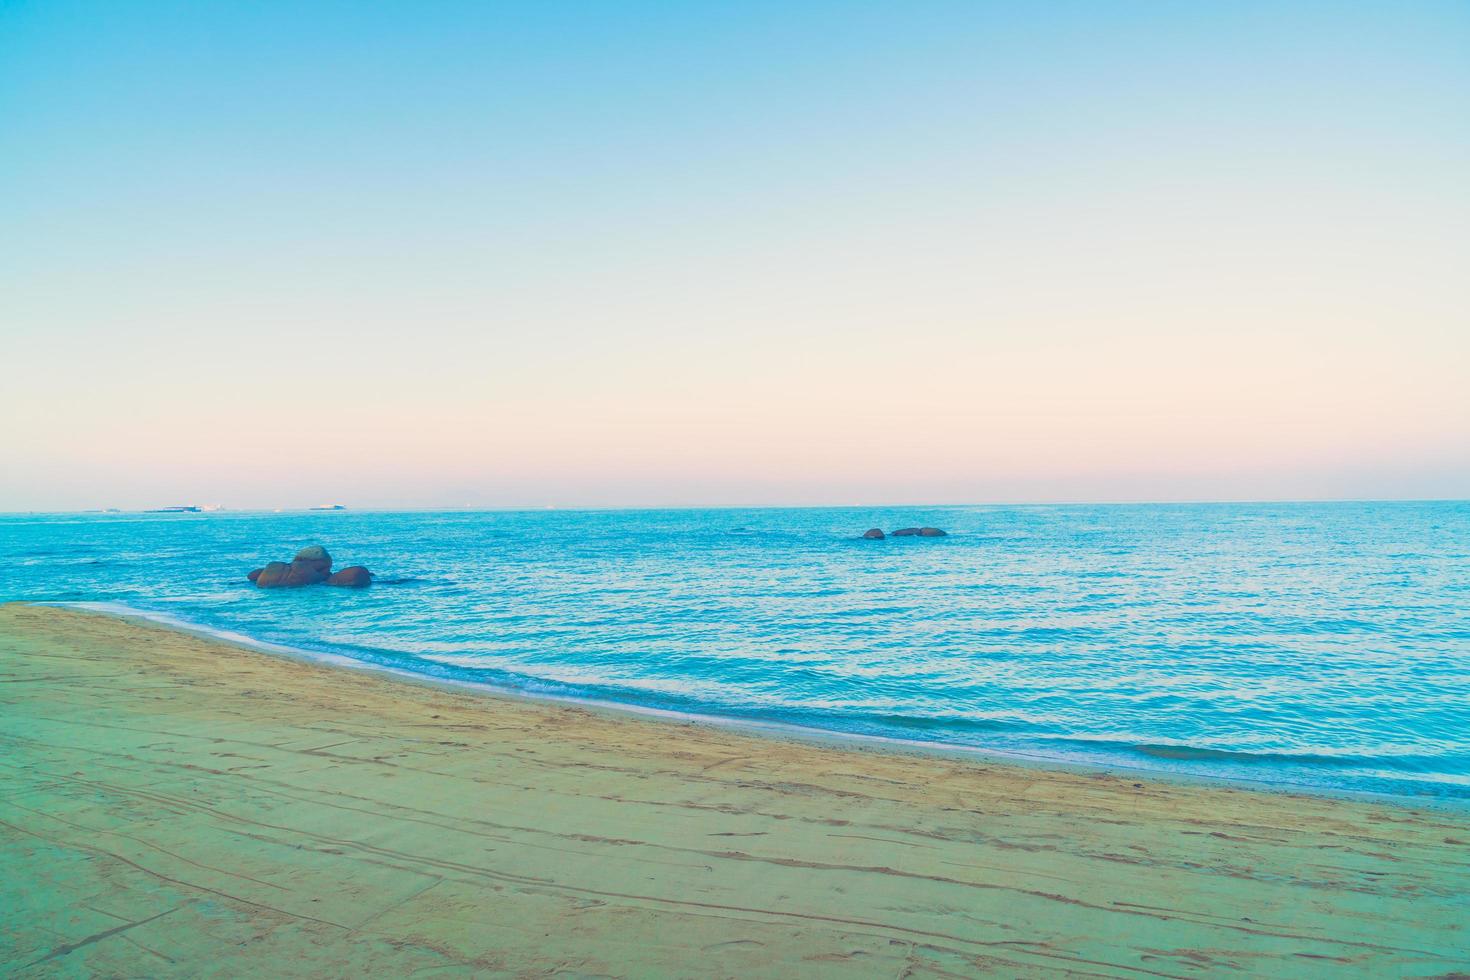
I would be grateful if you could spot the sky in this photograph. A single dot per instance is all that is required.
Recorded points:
(661, 254)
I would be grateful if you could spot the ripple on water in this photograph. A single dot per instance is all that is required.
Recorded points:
(1325, 645)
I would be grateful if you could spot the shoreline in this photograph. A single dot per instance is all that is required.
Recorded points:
(170, 798)
(857, 741)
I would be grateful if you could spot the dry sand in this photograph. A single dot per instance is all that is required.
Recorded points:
(173, 806)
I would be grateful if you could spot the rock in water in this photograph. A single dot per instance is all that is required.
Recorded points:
(309, 573)
(313, 559)
(906, 532)
(352, 577)
(873, 533)
(310, 566)
(273, 575)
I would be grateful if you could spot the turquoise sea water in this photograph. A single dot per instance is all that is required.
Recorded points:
(1324, 645)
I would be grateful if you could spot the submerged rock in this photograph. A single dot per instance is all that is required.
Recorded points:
(255, 574)
(920, 532)
(873, 533)
(352, 577)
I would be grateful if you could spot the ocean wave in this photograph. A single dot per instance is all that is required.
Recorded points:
(1162, 638)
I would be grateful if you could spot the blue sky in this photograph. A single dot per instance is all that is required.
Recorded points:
(605, 254)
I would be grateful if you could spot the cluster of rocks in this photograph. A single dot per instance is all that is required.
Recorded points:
(876, 533)
(311, 566)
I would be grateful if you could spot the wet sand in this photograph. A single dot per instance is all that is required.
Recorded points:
(176, 806)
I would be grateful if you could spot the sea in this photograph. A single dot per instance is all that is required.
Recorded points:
(1318, 646)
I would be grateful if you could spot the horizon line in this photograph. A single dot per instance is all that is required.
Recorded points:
(543, 508)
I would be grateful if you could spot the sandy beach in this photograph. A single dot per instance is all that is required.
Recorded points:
(172, 806)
